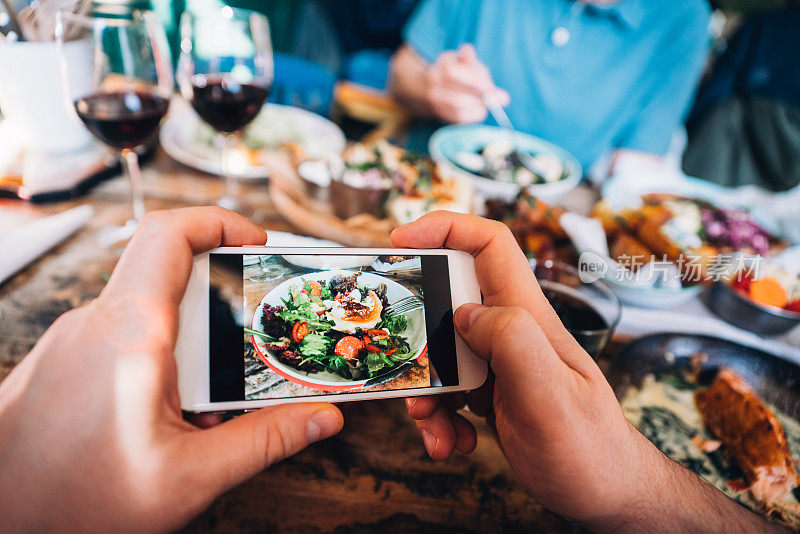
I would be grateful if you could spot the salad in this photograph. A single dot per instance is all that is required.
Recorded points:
(500, 160)
(340, 326)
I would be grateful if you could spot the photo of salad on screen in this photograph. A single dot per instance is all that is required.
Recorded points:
(340, 330)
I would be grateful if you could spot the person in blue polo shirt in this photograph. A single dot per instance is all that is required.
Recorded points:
(596, 77)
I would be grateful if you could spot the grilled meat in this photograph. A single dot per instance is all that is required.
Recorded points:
(752, 435)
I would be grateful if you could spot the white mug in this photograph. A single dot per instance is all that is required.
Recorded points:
(32, 98)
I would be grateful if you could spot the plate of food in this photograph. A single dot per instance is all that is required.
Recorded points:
(727, 412)
(500, 163)
(691, 234)
(331, 330)
(187, 139)
(358, 197)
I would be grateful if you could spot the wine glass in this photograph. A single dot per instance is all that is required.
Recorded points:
(122, 91)
(267, 270)
(225, 71)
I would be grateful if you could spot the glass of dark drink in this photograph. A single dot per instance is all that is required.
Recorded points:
(589, 311)
(122, 91)
(225, 71)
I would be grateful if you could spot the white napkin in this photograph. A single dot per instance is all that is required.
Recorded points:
(587, 235)
(23, 244)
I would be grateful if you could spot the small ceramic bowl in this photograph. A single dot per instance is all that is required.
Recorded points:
(652, 297)
(316, 179)
(349, 201)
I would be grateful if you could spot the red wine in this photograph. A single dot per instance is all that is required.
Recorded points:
(123, 119)
(225, 104)
(580, 318)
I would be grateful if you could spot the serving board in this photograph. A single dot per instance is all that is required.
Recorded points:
(316, 218)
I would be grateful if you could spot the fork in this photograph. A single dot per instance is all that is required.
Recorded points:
(405, 306)
(501, 118)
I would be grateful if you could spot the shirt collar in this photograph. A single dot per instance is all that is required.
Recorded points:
(629, 12)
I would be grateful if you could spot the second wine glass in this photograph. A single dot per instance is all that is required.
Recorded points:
(225, 71)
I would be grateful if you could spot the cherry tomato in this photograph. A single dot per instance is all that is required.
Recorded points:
(316, 289)
(299, 331)
(348, 348)
(741, 281)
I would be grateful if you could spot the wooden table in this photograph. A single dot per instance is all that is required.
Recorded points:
(374, 475)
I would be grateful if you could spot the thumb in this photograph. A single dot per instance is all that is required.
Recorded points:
(467, 54)
(234, 451)
(511, 340)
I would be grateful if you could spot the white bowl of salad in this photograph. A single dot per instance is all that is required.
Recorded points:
(330, 330)
(492, 159)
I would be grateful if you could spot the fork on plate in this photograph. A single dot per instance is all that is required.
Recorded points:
(405, 306)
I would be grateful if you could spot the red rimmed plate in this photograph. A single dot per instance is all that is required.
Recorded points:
(324, 380)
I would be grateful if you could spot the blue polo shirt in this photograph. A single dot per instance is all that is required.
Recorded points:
(588, 77)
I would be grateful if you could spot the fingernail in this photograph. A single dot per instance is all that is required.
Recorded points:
(466, 315)
(323, 424)
(401, 227)
(429, 440)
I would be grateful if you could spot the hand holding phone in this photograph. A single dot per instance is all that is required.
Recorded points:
(91, 433)
(557, 419)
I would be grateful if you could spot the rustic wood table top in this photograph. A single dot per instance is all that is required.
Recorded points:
(373, 475)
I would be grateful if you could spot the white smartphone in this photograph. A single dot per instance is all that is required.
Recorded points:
(266, 325)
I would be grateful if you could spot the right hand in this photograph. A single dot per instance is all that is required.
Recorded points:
(556, 417)
(456, 85)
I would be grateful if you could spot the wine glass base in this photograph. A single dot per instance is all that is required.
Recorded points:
(267, 274)
(112, 235)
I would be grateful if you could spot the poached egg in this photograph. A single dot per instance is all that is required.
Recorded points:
(351, 312)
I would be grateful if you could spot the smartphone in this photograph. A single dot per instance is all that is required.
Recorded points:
(266, 325)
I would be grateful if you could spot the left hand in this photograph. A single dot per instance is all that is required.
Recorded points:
(91, 434)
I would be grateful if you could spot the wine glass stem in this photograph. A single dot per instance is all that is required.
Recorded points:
(131, 162)
(231, 182)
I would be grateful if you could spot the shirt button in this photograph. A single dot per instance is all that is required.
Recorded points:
(560, 36)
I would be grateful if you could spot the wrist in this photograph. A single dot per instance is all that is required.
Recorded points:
(664, 496)
(630, 502)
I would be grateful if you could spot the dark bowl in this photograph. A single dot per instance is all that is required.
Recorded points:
(745, 313)
(561, 284)
(775, 379)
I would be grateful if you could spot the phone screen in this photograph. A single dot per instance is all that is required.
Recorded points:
(294, 325)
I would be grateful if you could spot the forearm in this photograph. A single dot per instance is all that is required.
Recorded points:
(408, 81)
(673, 499)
